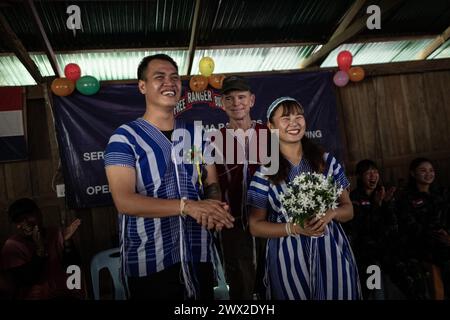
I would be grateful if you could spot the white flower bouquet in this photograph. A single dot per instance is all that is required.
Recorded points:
(309, 195)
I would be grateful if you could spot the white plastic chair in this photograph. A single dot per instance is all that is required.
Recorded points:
(109, 259)
(221, 292)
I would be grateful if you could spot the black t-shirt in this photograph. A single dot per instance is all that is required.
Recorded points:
(168, 134)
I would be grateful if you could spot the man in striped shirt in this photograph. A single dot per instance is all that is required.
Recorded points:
(166, 246)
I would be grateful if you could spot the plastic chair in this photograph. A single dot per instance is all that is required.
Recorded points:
(221, 292)
(109, 259)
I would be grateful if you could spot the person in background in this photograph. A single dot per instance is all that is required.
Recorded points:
(314, 262)
(374, 226)
(243, 254)
(423, 210)
(35, 258)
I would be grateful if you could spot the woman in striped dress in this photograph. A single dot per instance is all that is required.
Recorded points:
(314, 262)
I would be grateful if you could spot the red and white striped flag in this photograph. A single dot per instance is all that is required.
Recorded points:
(12, 134)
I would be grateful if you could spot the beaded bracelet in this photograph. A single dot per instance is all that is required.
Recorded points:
(182, 204)
(288, 229)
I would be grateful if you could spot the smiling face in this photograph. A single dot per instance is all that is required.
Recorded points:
(423, 174)
(27, 222)
(237, 104)
(162, 84)
(289, 119)
(370, 179)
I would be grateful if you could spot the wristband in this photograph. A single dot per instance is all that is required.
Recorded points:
(182, 204)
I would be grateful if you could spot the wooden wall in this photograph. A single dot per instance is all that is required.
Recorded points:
(393, 119)
(388, 118)
(36, 178)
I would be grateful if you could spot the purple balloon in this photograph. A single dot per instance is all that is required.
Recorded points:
(340, 78)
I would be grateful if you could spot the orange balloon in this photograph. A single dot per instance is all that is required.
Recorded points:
(356, 74)
(62, 87)
(198, 83)
(215, 81)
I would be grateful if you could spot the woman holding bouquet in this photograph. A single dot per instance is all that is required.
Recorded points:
(314, 261)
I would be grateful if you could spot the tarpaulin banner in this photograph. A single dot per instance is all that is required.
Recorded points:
(13, 145)
(85, 123)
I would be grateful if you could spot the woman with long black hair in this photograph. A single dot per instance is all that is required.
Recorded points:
(316, 261)
(423, 211)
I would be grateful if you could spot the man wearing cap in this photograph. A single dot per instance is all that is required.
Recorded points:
(239, 249)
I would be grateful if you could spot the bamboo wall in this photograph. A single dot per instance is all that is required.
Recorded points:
(390, 119)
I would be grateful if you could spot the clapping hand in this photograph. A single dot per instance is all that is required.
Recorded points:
(70, 230)
(382, 195)
(442, 236)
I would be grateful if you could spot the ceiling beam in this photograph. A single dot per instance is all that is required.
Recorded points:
(15, 45)
(43, 36)
(348, 17)
(357, 39)
(193, 40)
(434, 45)
(356, 27)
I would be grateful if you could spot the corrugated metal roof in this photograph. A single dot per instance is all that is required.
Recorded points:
(106, 24)
(379, 52)
(251, 35)
(442, 52)
(121, 65)
(13, 73)
(116, 65)
(414, 17)
(106, 65)
(167, 23)
(254, 59)
(254, 21)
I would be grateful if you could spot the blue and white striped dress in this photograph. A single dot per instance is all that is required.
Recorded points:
(301, 267)
(149, 245)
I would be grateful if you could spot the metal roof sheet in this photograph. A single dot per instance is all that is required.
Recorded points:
(241, 36)
(379, 52)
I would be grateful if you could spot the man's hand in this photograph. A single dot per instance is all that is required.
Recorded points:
(209, 213)
(70, 230)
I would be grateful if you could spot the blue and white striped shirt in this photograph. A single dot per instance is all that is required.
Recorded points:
(149, 245)
(301, 267)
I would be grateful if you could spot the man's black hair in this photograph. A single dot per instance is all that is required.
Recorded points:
(22, 207)
(361, 167)
(145, 61)
(365, 165)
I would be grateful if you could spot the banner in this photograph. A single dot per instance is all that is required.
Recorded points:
(85, 123)
(13, 145)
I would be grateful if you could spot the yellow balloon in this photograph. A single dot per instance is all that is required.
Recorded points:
(206, 66)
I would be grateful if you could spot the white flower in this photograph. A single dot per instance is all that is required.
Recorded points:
(309, 195)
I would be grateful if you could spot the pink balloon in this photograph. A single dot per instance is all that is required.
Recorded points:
(340, 78)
